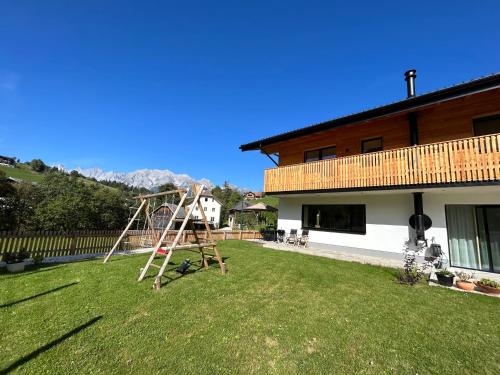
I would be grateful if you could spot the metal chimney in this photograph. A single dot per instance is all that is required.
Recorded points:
(410, 76)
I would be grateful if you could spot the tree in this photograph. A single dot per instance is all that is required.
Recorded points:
(7, 203)
(38, 165)
(228, 198)
(175, 198)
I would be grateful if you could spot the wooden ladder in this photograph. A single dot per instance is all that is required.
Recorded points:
(208, 243)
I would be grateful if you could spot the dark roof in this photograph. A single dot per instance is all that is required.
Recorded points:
(240, 206)
(477, 85)
(172, 208)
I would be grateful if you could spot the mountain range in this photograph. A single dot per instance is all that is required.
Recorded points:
(147, 178)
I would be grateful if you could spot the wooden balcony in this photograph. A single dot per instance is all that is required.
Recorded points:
(459, 161)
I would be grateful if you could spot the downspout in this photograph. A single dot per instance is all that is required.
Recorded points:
(418, 203)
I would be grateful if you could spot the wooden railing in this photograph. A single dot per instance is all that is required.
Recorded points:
(48, 244)
(463, 160)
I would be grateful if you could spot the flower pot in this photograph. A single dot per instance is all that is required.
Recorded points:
(488, 289)
(465, 285)
(445, 280)
(15, 267)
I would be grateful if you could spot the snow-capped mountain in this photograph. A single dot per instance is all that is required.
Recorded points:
(148, 178)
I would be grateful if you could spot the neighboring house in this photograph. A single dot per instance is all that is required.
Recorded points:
(251, 195)
(423, 168)
(162, 215)
(5, 160)
(234, 213)
(212, 208)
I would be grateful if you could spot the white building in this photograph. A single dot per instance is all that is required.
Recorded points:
(425, 168)
(211, 207)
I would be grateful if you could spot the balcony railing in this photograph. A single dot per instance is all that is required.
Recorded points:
(474, 159)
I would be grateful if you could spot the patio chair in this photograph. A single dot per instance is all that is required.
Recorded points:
(292, 238)
(280, 235)
(303, 240)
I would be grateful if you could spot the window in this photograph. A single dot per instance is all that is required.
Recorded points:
(335, 218)
(321, 154)
(206, 199)
(212, 219)
(213, 199)
(213, 209)
(371, 145)
(487, 125)
(474, 236)
(196, 217)
(204, 209)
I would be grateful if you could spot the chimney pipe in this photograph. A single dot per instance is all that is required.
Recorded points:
(410, 76)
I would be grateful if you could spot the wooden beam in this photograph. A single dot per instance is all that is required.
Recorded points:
(178, 191)
(125, 231)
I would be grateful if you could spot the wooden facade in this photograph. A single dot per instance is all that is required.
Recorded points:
(450, 120)
(475, 159)
(448, 150)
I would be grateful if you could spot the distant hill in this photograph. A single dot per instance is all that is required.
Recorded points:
(22, 172)
(269, 200)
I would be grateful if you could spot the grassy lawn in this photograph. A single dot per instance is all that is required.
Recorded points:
(274, 312)
(22, 172)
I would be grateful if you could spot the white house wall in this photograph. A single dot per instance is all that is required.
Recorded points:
(386, 220)
(213, 210)
(387, 215)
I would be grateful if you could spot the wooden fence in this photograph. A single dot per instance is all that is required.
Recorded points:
(54, 244)
(475, 159)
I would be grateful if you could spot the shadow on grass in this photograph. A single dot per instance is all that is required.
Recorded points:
(21, 361)
(38, 295)
(32, 270)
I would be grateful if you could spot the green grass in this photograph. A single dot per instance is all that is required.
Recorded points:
(274, 312)
(22, 172)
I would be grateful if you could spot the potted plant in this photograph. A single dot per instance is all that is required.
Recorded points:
(445, 277)
(15, 261)
(465, 281)
(488, 286)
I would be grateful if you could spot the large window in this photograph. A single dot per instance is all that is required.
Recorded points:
(474, 236)
(487, 125)
(320, 154)
(371, 145)
(348, 218)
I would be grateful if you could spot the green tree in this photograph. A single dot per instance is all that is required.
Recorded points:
(7, 203)
(228, 198)
(175, 199)
(38, 165)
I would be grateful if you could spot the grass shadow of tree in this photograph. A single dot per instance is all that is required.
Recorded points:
(21, 361)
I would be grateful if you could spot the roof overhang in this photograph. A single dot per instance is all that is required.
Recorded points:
(417, 102)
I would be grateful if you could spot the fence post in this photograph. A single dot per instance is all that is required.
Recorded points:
(225, 235)
(72, 244)
(241, 235)
(184, 237)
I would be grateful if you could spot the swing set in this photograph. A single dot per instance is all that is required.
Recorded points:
(152, 234)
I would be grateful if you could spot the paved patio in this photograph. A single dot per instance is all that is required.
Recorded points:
(378, 258)
(365, 256)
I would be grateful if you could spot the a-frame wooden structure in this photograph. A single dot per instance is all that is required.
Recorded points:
(166, 248)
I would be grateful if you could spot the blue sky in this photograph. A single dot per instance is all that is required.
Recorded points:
(179, 85)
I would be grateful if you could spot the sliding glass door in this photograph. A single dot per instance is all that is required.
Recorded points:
(474, 236)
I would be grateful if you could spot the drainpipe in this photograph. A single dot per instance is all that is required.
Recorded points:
(418, 204)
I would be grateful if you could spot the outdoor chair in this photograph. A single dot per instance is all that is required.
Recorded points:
(303, 240)
(292, 238)
(280, 235)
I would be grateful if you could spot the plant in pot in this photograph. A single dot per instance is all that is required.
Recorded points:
(488, 286)
(465, 281)
(15, 261)
(445, 277)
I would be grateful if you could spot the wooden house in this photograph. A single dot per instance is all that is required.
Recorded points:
(424, 169)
